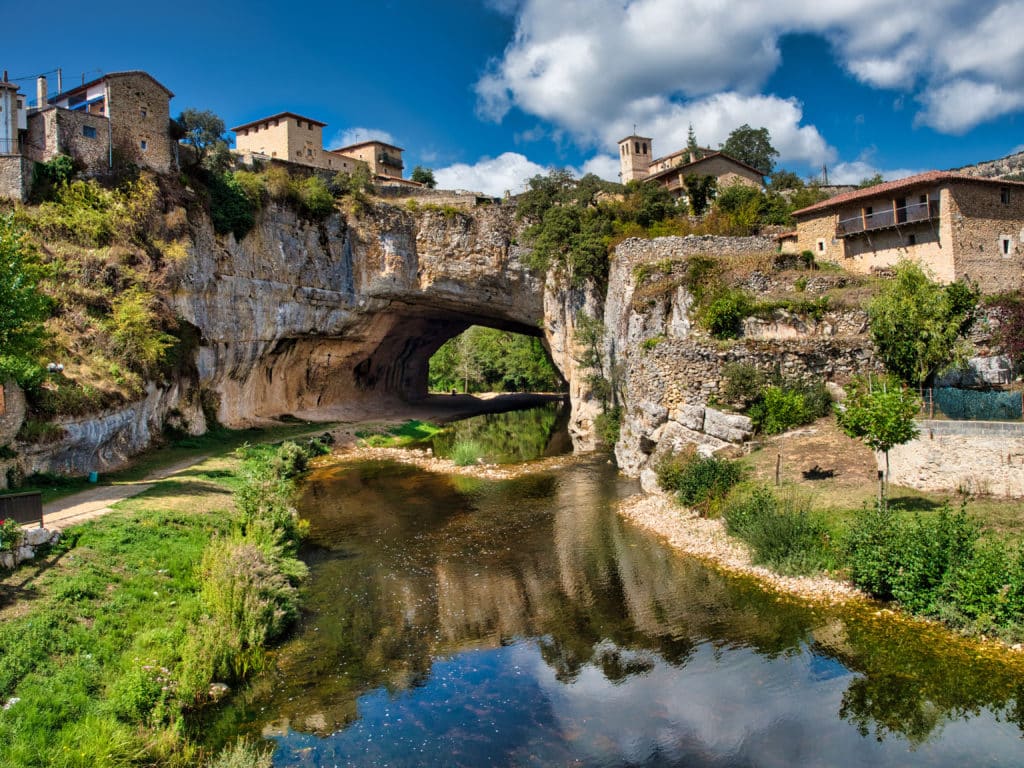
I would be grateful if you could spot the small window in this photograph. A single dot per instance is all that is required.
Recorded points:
(821, 246)
(1004, 195)
(89, 132)
(637, 149)
(143, 112)
(911, 239)
(143, 145)
(1005, 244)
(645, 147)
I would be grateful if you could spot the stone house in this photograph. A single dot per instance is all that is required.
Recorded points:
(670, 171)
(119, 118)
(384, 160)
(955, 226)
(289, 137)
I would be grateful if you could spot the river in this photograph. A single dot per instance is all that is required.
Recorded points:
(457, 622)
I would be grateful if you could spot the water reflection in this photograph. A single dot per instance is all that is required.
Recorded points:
(510, 437)
(457, 622)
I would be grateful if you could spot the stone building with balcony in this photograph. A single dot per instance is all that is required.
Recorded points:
(955, 226)
(636, 164)
(384, 160)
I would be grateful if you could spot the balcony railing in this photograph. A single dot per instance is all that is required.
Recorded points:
(889, 217)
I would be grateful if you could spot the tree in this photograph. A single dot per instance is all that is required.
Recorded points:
(1009, 335)
(752, 146)
(918, 326)
(22, 307)
(202, 129)
(693, 150)
(870, 181)
(699, 192)
(782, 180)
(424, 176)
(881, 414)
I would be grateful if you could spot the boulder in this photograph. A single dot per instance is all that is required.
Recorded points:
(649, 481)
(675, 438)
(690, 416)
(730, 427)
(651, 416)
(35, 537)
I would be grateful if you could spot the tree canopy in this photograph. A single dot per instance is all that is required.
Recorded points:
(918, 325)
(424, 176)
(485, 359)
(752, 146)
(203, 130)
(22, 307)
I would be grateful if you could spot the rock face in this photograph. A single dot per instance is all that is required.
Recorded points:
(667, 366)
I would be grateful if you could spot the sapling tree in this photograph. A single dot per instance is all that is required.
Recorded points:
(881, 413)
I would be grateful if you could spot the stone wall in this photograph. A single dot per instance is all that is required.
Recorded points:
(139, 111)
(86, 138)
(979, 224)
(15, 177)
(973, 457)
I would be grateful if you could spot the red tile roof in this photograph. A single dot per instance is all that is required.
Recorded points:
(928, 178)
(278, 116)
(695, 163)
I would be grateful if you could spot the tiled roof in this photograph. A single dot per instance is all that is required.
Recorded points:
(930, 177)
(107, 76)
(366, 144)
(685, 166)
(278, 116)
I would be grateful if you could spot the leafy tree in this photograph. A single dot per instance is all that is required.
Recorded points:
(870, 181)
(424, 176)
(485, 359)
(881, 413)
(22, 307)
(231, 207)
(647, 203)
(1009, 336)
(135, 331)
(202, 129)
(752, 146)
(543, 192)
(783, 179)
(699, 192)
(918, 325)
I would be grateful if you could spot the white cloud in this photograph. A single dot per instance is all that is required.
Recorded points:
(582, 64)
(493, 176)
(358, 135)
(858, 170)
(605, 166)
(959, 106)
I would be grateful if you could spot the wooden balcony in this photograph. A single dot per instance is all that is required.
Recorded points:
(888, 218)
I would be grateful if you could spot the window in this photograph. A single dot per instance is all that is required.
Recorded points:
(144, 145)
(1004, 195)
(911, 239)
(637, 149)
(143, 112)
(821, 246)
(89, 132)
(1005, 244)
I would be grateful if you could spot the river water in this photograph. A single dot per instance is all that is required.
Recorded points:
(457, 622)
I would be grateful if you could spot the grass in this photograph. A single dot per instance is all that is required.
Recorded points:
(95, 636)
(215, 441)
(403, 435)
(466, 453)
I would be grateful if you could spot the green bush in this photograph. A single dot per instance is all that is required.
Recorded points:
(724, 315)
(316, 200)
(784, 534)
(242, 754)
(698, 481)
(742, 384)
(607, 425)
(135, 333)
(465, 453)
(231, 207)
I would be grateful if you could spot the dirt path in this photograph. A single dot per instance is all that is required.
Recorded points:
(94, 502)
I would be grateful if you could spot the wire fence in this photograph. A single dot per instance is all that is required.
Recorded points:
(973, 404)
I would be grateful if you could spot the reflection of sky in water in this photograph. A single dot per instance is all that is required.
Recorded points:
(504, 706)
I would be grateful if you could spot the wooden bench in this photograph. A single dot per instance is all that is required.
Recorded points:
(25, 508)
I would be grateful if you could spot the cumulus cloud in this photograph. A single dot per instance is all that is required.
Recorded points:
(858, 170)
(493, 176)
(583, 64)
(605, 166)
(358, 135)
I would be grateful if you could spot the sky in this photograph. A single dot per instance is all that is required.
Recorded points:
(488, 93)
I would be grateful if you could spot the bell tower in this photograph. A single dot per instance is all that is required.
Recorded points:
(634, 158)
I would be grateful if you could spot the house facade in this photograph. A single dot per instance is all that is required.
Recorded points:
(636, 163)
(290, 137)
(118, 119)
(384, 160)
(956, 226)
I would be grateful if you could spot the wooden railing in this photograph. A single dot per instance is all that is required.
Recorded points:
(888, 217)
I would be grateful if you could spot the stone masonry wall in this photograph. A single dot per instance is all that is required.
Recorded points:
(93, 151)
(140, 112)
(980, 222)
(15, 177)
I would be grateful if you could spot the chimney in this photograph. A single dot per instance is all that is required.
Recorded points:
(41, 92)
(5, 75)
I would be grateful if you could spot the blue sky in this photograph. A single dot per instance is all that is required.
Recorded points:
(489, 92)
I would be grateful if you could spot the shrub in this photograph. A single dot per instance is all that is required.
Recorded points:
(784, 534)
(466, 452)
(231, 207)
(742, 383)
(607, 425)
(135, 333)
(242, 754)
(10, 534)
(724, 315)
(316, 200)
(698, 481)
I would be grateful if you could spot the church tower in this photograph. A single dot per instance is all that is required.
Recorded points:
(634, 158)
